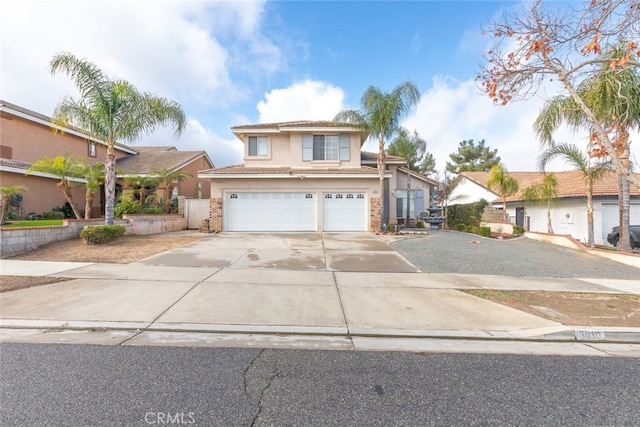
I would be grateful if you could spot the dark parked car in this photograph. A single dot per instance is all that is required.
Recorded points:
(634, 232)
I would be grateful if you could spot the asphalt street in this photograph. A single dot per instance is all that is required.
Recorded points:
(141, 386)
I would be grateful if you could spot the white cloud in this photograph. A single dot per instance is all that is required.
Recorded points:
(307, 100)
(197, 137)
(452, 111)
(174, 49)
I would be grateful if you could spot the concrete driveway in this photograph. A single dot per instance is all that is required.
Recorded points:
(357, 252)
(295, 290)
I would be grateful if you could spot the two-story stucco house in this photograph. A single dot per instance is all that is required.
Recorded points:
(27, 136)
(308, 176)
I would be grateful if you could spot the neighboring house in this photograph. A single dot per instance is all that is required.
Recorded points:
(307, 176)
(149, 158)
(27, 136)
(568, 211)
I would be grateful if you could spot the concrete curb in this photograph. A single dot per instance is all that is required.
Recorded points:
(558, 334)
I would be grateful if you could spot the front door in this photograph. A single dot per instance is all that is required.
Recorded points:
(520, 217)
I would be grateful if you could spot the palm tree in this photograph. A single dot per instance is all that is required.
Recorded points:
(7, 193)
(502, 183)
(412, 148)
(62, 167)
(380, 118)
(94, 178)
(111, 110)
(141, 183)
(170, 179)
(545, 192)
(590, 174)
(611, 97)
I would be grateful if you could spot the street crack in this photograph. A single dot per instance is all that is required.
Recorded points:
(256, 383)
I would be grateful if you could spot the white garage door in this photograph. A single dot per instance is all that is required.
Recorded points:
(344, 212)
(610, 217)
(270, 211)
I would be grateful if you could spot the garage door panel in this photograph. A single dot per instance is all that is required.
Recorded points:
(270, 211)
(344, 211)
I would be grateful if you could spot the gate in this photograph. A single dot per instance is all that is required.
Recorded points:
(196, 210)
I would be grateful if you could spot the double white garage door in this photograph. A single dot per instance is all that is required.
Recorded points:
(344, 211)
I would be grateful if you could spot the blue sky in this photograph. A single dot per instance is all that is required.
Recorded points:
(243, 62)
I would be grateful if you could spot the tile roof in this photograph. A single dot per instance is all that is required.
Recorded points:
(296, 123)
(570, 183)
(286, 170)
(149, 158)
(14, 164)
(368, 157)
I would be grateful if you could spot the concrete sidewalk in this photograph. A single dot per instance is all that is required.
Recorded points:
(236, 303)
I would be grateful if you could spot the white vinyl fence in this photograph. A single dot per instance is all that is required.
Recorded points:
(195, 210)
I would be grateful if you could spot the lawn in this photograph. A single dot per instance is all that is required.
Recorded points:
(33, 223)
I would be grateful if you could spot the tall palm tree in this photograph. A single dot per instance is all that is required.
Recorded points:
(591, 171)
(612, 96)
(7, 193)
(111, 111)
(63, 168)
(170, 178)
(379, 118)
(94, 178)
(502, 183)
(412, 148)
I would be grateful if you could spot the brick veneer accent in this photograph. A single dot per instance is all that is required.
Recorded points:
(215, 215)
(374, 215)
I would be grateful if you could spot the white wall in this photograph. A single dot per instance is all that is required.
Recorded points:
(570, 217)
(468, 192)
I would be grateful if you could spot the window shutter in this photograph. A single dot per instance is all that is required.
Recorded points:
(307, 147)
(344, 146)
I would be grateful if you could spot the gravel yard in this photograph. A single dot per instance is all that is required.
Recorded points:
(463, 253)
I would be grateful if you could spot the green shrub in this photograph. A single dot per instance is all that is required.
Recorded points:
(419, 224)
(461, 227)
(468, 214)
(484, 231)
(156, 210)
(471, 229)
(96, 234)
(66, 209)
(54, 214)
(518, 230)
(127, 207)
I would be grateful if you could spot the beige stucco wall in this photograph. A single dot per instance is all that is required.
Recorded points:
(30, 141)
(286, 150)
(295, 184)
(42, 194)
(188, 186)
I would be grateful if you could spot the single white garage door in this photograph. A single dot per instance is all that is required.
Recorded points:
(270, 212)
(344, 212)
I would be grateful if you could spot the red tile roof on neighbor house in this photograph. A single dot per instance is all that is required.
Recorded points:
(570, 183)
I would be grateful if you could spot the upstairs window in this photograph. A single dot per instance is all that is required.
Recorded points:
(91, 149)
(258, 146)
(325, 147)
